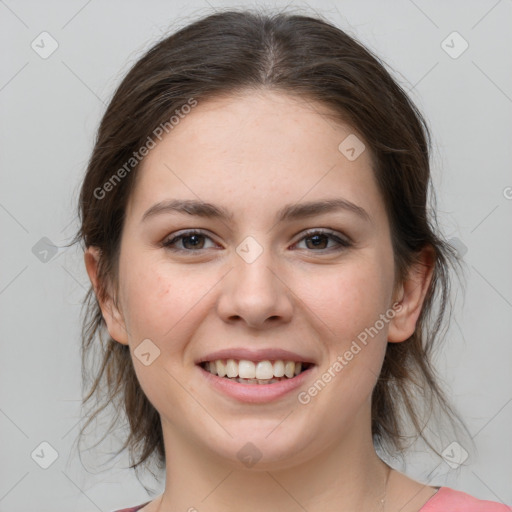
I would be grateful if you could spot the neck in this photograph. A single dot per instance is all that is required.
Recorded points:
(345, 477)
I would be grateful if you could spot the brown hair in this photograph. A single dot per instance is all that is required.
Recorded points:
(308, 57)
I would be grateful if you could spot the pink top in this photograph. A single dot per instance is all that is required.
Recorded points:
(444, 500)
(450, 500)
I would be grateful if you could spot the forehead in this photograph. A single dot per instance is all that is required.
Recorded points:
(257, 150)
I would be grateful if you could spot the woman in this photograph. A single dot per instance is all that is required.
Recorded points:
(254, 217)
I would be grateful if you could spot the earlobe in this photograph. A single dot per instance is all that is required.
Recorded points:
(110, 312)
(410, 296)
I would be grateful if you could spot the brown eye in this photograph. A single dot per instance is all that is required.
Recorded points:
(190, 241)
(195, 241)
(319, 240)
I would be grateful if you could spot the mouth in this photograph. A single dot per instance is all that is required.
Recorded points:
(264, 372)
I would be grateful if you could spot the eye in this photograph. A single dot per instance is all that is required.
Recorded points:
(319, 239)
(194, 241)
(191, 240)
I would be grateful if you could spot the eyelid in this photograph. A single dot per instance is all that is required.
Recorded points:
(343, 241)
(341, 237)
(175, 237)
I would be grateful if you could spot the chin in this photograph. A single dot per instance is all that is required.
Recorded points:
(263, 449)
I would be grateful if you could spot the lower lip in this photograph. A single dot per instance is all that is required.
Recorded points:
(256, 393)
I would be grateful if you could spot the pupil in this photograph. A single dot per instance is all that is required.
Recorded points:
(316, 238)
(196, 243)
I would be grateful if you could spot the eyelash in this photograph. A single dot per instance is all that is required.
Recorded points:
(343, 243)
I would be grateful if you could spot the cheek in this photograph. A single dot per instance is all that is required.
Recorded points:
(161, 304)
(349, 302)
(160, 299)
(348, 298)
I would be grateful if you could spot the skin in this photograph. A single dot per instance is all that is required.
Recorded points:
(251, 154)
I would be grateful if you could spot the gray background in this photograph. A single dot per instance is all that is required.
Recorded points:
(50, 109)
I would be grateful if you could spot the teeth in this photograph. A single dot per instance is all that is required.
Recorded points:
(262, 372)
(221, 368)
(289, 369)
(279, 369)
(246, 370)
(231, 368)
(255, 381)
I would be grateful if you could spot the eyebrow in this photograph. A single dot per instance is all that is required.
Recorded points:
(289, 212)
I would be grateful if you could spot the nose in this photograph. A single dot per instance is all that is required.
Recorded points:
(255, 293)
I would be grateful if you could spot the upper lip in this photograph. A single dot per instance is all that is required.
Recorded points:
(269, 354)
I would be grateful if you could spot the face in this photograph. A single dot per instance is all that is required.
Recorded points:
(261, 274)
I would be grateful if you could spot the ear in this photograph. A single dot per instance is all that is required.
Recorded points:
(111, 314)
(410, 296)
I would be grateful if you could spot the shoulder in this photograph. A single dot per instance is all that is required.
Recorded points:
(132, 509)
(450, 500)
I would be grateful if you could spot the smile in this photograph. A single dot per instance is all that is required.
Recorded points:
(255, 382)
(244, 371)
